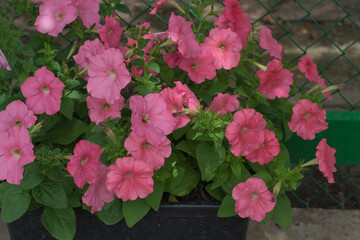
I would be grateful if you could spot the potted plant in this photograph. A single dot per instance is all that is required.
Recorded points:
(121, 120)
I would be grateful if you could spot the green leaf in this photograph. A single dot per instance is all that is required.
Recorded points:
(54, 66)
(178, 133)
(51, 194)
(188, 182)
(134, 211)
(32, 176)
(15, 203)
(236, 167)
(67, 107)
(61, 223)
(4, 186)
(154, 66)
(137, 62)
(74, 200)
(154, 199)
(227, 207)
(221, 176)
(177, 175)
(123, 8)
(67, 131)
(209, 159)
(282, 212)
(56, 173)
(70, 83)
(186, 147)
(111, 212)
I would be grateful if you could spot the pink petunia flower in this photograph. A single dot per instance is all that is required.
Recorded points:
(16, 150)
(267, 150)
(3, 62)
(307, 66)
(234, 19)
(173, 59)
(129, 179)
(88, 12)
(326, 158)
(43, 92)
(267, 42)
(181, 33)
(275, 81)
(54, 15)
(107, 75)
(224, 103)
(246, 132)
(16, 114)
(97, 194)
(100, 109)
(224, 46)
(199, 67)
(158, 4)
(174, 102)
(307, 119)
(90, 49)
(150, 118)
(141, 149)
(253, 199)
(189, 98)
(111, 32)
(84, 165)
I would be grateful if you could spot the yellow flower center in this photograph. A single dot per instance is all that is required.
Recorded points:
(84, 160)
(45, 89)
(16, 153)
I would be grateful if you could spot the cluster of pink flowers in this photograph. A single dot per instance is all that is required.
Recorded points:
(221, 49)
(16, 149)
(55, 15)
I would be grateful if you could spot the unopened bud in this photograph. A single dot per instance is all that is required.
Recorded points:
(314, 161)
(168, 42)
(129, 53)
(108, 131)
(276, 189)
(333, 87)
(260, 66)
(185, 111)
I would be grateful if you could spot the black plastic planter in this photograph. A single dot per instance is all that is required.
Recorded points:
(172, 221)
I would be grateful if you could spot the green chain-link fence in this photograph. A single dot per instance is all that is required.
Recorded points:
(328, 29)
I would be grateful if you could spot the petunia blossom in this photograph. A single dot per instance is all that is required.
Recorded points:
(267, 42)
(88, 12)
(174, 102)
(3, 62)
(97, 194)
(267, 150)
(43, 92)
(141, 149)
(107, 75)
(16, 150)
(307, 66)
(16, 114)
(253, 199)
(326, 159)
(100, 109)
(111, 32)
(158, 4)
(224, 46)
(54, 15)
(224, 103)
(84, 165)
(181, 33)
(275, 81)
(129, 179)
(173, 59)
(189, 98)
(200, 67)
(150, 118)
(246, 132)
(307, 119)
(90, 49)
(235, 19)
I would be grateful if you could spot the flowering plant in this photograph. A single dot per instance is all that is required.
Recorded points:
(123, 119)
